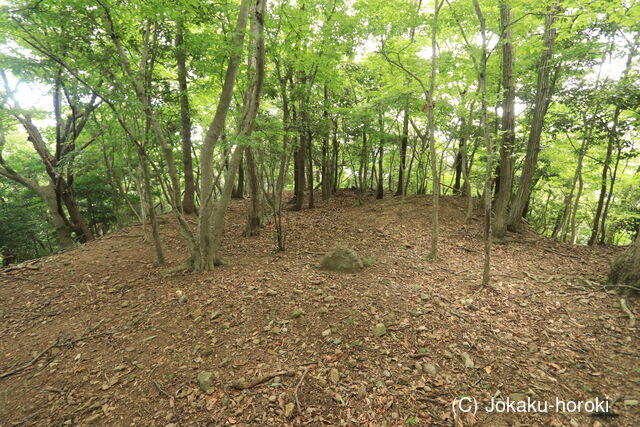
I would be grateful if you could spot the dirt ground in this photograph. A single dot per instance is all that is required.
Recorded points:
(98, 335)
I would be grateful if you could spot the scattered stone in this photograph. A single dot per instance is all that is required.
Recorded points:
(182, 299)
(532, 348)
(215, 315)
(297, 313)
(273, 398)
(271, 293)
(204, 380)
(403, 381)
(429, 369)
(380, 330)
(448, 354)
(424, 297)
(342, 259)
(468, 362)
(352, 363)
(326, 332)
(288, 409)
(418, 366)
(334, 375)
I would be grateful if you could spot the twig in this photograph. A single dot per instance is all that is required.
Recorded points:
(241, 384)
(295, 392)
(164, 393)
(628, 312)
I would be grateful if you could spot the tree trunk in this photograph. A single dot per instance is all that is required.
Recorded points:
(508, 127)
(254, 211)
(188, 199)
(603, 193)
(238, 191)
(146, 182)
(543, 94)
(204, 252)
(404, 139)
(380, 188)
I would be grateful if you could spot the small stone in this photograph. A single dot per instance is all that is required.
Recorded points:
(468, 362)
(532, 348)
(403, 381)
(352, 363)
(448, 354)
(182, 299)
(424, 297)
(326, 332)
(256, 341)
(129, 349)
(215, 315)
(204, 380)
(297, 313)
(324, 309)
(380, 330)
(417, 366)
(288, 409)
(337, 341)
(271, 293)
(429, 369)
(334, 375)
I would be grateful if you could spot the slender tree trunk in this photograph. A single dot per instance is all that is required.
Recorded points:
(380, 189)
(605, 212)
(254, 212)
(326, 180)
(309, 145)
(508, 127)
(404, 139)
(435, 178)
(238, 191)
(543, 94)
(603, 194)
(188, 199)
(482, 83)
(146, 182)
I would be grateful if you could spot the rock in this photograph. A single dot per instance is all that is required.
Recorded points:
(326, 332)
(334, 375)
(204, 380)
(215, 315)
(380, 330)
(532, 348)
(297, 313)
(342, 259)
(288, 409)
(273, 398)
(630, 402)
(271, 293)
(182, 299)
(429, 369)
(424, 297)
(403, 381)
(468, 362)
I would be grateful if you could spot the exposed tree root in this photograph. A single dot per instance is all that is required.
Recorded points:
(628, 312)
(242, 384)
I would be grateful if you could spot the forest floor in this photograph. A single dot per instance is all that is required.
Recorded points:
(98, 335)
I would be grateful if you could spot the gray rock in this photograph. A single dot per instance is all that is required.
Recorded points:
(468, 362)
(429, 369)
(380, 330)
(342, 259)
(204, 380)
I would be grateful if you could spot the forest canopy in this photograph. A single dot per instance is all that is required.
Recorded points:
(112, 113)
